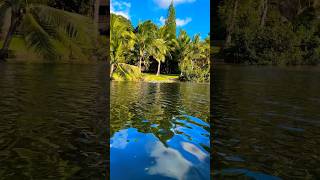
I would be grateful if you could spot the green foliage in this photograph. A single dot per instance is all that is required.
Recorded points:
(194, 57)
(288, 36)
(121, 38)
(171, 21)
(43, 26)
(148, 44)
(127, 72)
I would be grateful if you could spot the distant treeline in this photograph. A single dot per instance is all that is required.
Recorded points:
(269, 31)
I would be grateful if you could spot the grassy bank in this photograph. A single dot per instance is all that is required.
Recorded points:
(19, 51)
(161, 78)
(147, 77)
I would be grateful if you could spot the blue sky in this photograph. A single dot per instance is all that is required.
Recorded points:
(192, 15)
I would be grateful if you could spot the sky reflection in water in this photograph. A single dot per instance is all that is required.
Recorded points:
(150, 150)
(144, 156)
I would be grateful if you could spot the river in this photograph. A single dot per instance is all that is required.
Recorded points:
(267, 122)
(159, 131)
(53, 121)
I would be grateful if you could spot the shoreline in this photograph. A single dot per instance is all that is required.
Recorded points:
(151, 78)
(162, 78)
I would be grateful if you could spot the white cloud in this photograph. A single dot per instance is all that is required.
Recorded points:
(168, 162)
(166, 3)
(183, 22)
(162, 20)
(120, 8)
(120, 140)
(179, 22)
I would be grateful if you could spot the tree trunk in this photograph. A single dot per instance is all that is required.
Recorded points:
(231, 27)
(9, 35)
(264, 14)
(140, 62)
(111, 70)
(158, 72)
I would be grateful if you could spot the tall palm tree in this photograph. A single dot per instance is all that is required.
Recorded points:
(145, 34)
(163, 34)
(142, 42)
(122, 40)
(160, 50)
(183, 49)
(41, 26)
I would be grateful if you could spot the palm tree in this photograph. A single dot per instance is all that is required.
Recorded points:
(160, 50)
(163, 34)
(41, 26)
(145, 34)
(122, 40)
(141, 42)
(183, 50)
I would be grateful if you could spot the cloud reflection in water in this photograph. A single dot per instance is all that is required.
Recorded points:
(146, 156)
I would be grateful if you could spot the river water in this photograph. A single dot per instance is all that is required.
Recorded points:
(53, 121)
(267, 122)
(159, 131)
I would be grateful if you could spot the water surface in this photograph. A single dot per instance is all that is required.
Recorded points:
(267, 122)
(159, 131)
(52, 121)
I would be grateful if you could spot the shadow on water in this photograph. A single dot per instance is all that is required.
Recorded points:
(52, 121)
(159, 131)
(267, 122)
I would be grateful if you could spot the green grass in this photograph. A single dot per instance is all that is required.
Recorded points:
(20, 50)
(17, 44)
(161, 78)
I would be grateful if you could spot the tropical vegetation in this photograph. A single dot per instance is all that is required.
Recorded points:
(46, 30)
(157, 49)
(269, 31)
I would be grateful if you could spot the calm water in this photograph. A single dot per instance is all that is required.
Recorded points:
(159, 131)
(267, 122)
(52, 122)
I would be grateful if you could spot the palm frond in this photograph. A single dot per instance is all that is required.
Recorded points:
(77, 27)
(58, 34)
(37, 38)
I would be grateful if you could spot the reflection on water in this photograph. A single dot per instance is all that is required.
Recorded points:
(267, 122)
(52, 122)
(159, 131)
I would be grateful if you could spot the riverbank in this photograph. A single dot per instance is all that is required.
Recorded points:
(148, 77)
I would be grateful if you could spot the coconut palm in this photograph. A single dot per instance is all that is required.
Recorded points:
(122, 40)
(190, 52)
(183, 50)
(159, 52)
(145, 34)
(199, 68)
(42, 26)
